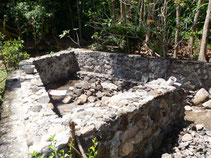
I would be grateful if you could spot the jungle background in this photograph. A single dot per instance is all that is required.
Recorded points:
(169, 28)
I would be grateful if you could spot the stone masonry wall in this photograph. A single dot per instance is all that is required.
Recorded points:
(191, 74)
(128, 124)
(131, 123)
(56, 67)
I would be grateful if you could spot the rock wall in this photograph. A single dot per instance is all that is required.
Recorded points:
(122, 65)
(130, 123)
(191, 74)
(56, 67)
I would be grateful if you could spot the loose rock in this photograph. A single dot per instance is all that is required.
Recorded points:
(50, 105)
(99, 94)
(199, 127)
(82, 85)
(210, 90)
(92, 99)
(207, 104)
(67, 99)
(201, 96)
(186, 137)
(78, 92)
(89, 93)
(109, 86)
(166, 155)
(188, 108)
(82, 99)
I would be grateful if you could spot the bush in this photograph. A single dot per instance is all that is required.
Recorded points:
(125, 38)
(11, 53)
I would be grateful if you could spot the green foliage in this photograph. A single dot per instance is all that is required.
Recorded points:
(54, 153)
(11, 52)
(2, 37)
(109, 25)
(124, 38)
(52, 52)
(3, 76)
(37, 155)
(30, 17)
(92, 152)
(64, 33)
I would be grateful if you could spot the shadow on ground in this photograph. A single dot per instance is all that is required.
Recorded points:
(171, 139)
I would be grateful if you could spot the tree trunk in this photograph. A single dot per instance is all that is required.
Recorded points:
(125, 12)
(177, 30)
(79, 19)
(121, 9)
(150, 18)
(71, 19)
(141, 12)
(165, 32)
(112, 10)
(192, 38)
(203, 48)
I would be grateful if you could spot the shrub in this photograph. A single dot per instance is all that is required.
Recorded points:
(11, 53)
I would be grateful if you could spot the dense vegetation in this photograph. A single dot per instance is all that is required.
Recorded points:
(165, 27)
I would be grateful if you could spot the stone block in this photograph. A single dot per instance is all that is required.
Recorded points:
(131, 132)
(126, 148)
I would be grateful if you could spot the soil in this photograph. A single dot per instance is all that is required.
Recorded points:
(199, 116)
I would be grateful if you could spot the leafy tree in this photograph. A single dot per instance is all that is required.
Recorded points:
(26, 18)
(11, 53)
(123, 25)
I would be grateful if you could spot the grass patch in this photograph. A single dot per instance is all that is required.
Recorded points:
(3, 76)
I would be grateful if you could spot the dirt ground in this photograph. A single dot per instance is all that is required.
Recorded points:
(199, 116)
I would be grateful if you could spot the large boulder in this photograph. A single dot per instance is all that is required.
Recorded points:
(201, 96)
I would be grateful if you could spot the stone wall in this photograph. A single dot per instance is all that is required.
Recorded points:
(128, 124)
(191, 74)
(131, 123)
(55, 67)
(122, 66)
